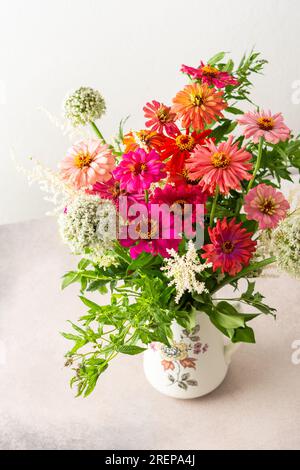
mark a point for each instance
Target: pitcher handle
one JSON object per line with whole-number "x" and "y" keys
{"x": 229, "y": 350}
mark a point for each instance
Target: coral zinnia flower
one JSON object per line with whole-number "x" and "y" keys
{"x": 86, "y": 163}
{"x": 210, "y": 75}
{"x": 198, "y": 105}
{"x": 266, "y": 205}
{"x": 179, "y": 149}
{"x": 224, "y": 166}
{"x": 160, "y": 118}
{"x": 231, "y": 248}
{"x": 138, "y": 170}
{"x": 264, "y": 124}
{"x": 144, "y": 139}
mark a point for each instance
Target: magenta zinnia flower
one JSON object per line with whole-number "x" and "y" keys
{"x": 210, "y": 75}
{"x": 138, "y": 170}
{"x": 266, "y": 205}
{"x": 153, "y": 233}
{"x": 224, "y": 166}
{"x": 160, "y": 118}
{"x": 182, "y": 194}
{"x": 264, "y": 124}
{"x": 231, "y": 248}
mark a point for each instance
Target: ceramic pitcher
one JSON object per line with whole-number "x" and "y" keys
{"x": 194, "y": 365}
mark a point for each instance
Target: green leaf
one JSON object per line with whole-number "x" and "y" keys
{"x": 83, "y": 264}
{"x": 216, "y": 58}
{"x": 89, "y": 303}
{"x": 245, "y": 335}
{"x": 70, "y": 278}
{"x": 233, "y": 110}
{"x": 130, "y": 349}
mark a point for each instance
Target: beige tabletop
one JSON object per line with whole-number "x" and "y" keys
{"x": 257, "y": 406}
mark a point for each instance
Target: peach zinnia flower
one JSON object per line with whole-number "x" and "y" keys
{"x": 224, "y": 166}
{"x": 266, "y": 205}
{"x": 264, "y": 124}
{"x": 86, "y": 163}
{"x": 198, "y": 105}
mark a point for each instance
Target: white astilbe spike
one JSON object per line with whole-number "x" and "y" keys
{"x": 182, "y": 271}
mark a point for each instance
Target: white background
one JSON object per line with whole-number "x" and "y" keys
{"x": 131, "y": 51}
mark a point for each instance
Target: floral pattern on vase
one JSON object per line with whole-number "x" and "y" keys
{"x": 179, "y": 356}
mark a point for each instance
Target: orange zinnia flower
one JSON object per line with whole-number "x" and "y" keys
{"x": 198, "y": 105}
{"x": 145, "y": 139}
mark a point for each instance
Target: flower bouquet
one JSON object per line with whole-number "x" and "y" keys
{"x": 165, "y": 217}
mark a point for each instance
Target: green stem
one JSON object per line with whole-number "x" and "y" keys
{"x": 146, "y": 196}
{"x": 97, "y": 131}
{"x": 248, "y": 269}
{"x": 214, "y": 205}
{"x": 258, "y": 161}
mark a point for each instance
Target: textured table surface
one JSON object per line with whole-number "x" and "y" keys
{"x": 256, "y": 407}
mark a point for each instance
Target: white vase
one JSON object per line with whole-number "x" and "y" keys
{"x": 195, "y": 365}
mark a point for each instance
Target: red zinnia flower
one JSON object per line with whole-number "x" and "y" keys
{"x": 231, "y": 248}
{"x": 210, "y": 75}
{"x": 179, "y": 149}
{"x": 160, "y": 118}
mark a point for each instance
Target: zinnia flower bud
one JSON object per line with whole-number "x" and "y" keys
{"x": 83, "y": 106}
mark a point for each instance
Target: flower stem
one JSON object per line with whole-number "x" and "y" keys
{"x": 243, "y": 272}
{"x": 214, "y": 205}
{"x": 97, "y": 131}
{"x": 258, "y": 161}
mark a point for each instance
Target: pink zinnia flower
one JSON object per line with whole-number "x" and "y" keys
{"x": 264, "y": 124}
{"x": 86, "y": 163}
{"x": 160, "y": 118}
{"x": 231, "y": 248}
{"x": 154, "y": 233}
{"x": 210, "y": 75}
{"x": 138, "y": 170}
{"x": 266, "y": 205}
{"x": 224, "y": 166}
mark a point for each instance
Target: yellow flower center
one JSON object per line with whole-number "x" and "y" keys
{"x": 82, "y": 160}
{"x": 185, "y": 142}
{"x": 144, "y": 136}
{"x": 220, "y": 159}
{"x": 267, "y": 206}
{"x": 210, "y": 71}
{"x": 227, "y": 247}
{"x": 265, "y": 123}
{"x": 163, "y": 114}
{"x": 196, "y": 100}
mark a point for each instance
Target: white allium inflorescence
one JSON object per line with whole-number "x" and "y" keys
{"x": 286, "y": 245}
{"x": 182, "y": 271}
{"x": 82, "y": 228}
{"x": 83, "y": 106}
